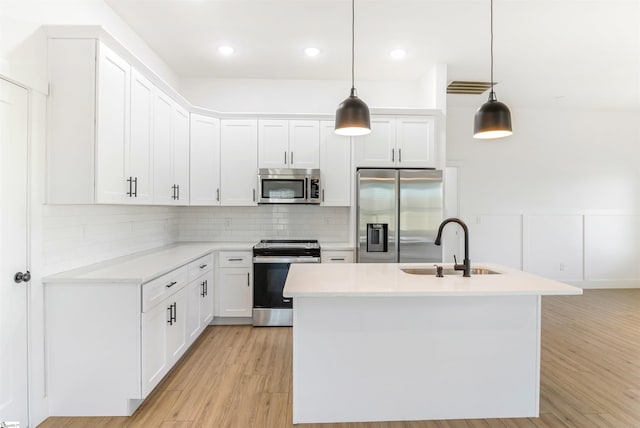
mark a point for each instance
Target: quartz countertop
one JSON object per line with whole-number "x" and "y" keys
{"x": 387, "y": 279}
{"x": 144, "y": 266}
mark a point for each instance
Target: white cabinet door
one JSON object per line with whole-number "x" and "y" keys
{"x": 235, "y": 292}
{"x": 238, "y": 168}
{"x": 273, "y": 144}
{"x": 205, "y": 160}
{"x": 177, "y": 328}
{"x": 377, "y": 149}
{"x": 154, "y": 356}
{"x": 304, "y": 144}
{"x": 163, "y": 191}
{"x": 206, "y": 300}
{"x": 335, "y": 167}
{"x": 180, "y": 124}
{"x": 112, "y": 120}
{"x": 194, "y": 290}
{"x": 139, "y": 156}
{"x": 415, "y": 141}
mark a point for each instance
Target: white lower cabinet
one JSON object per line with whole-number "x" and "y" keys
{"x": 110, "y": 342}
{"x": 163, "y": 338}
{"x": 341, "y": 256}
{"x": 235, "y": 284}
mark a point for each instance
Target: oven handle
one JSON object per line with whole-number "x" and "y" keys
{"x": 266, "y": 259}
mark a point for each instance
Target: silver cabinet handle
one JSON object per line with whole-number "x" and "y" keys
{"x": 399, "y": 155}
{"x": 237, "y": 259}
{"x": 217, "y": 194}
{"x": 285, "y": 157}
{"x": 393, "y": 155}
{"x": 337, "y": 259}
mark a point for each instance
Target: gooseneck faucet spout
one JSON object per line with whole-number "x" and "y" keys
{"x": 466, "y": 265}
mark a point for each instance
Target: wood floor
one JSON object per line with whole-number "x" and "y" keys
{"x": 240, "y": 376}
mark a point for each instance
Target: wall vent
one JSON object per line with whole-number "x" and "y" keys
{"x": 468, "y": 87}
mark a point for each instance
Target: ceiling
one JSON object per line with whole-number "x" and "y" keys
{"x": 547, "y": 52}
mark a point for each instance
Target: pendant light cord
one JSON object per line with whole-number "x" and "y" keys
{"x": 492, "y": 95}
{"x": 353, "y": 43}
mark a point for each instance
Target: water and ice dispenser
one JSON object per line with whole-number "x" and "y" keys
{"x": 377, "y": 234}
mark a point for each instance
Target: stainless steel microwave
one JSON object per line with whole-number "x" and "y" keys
{"x": 289, "y": 186}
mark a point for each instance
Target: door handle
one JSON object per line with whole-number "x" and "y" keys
{"x": 322, "y": 195}
{"x": 171, "y": 284}
{"x": 285, "y": 157}
{"x": 22, "y": 277}
{"x": 203, "y": 292}
{"x": 248, "y": 277}
{"x": 291, "y": 157}
{"x": 393, "y": 155}
{"x": 399, "y": 155}
{"x": 170, "y": 320}
{"x": 254, "y": 195}
{"x": 129, "y": 193}
{"x": 217, "y": 194}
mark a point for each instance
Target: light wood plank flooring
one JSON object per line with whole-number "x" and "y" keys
{"x": 240, "y": 376}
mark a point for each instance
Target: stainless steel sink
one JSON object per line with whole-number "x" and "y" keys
{"x": 448, "y": 271}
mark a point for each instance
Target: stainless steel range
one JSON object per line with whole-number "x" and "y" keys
{"x": 271, "y": 261}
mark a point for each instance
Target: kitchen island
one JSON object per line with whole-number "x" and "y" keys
{"x": 372, "y": 342}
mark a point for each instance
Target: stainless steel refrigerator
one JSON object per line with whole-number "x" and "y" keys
{"x": 399, "y": 211}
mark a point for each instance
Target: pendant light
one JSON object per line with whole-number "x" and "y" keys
{"x": 352, "y": 116}
{"x": 493, "y": 118}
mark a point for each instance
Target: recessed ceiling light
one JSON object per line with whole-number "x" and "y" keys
{"x": 226, "y": 50}
{"x": 398, "y": 53}
{"x": 312, "y": 51}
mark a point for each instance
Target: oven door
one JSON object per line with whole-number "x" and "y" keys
{"x": 269, "y": 276}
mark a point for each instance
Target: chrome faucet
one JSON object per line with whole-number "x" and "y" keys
{"x": 466, "y": 265}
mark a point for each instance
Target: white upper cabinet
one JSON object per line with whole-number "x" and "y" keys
{"x": 304, "y": 144}
{"x": 114, "y": 137}
{"x": 139, "y": 169}
{"x": 273, "y": 144}
{"x": 113, "y": 95}
{"x": 398, "y": 141}
{"x": 238, "y": 169}
{"x": 335, "y": 167}
{"x": 205, "y": 160}
{"x": 170, "y": 152}
{"x": 288, "y": 144}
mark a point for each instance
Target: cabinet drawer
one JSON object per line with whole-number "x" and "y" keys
{"x": 235, "y": 259}
{"x": 337, "y": 257}
{"x": 202, "y": 265}
{"x": 154, "y": 292}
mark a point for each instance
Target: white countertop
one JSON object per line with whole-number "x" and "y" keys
{"x": 144, "y": 266}
{"x": 386, "y": 279}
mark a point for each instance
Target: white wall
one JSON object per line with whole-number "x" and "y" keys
{"x": 561, "y": 197}
{"x": 23, "y": 43}
{"x": 250, "y": 224}
{"x": 295, "y": 96}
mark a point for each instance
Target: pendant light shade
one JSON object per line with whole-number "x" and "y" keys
{"x": 493, "y": 118}
{"x": 352, "y": 115}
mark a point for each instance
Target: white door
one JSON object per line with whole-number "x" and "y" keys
{"x": 177, "y": 328}
{"x": 335, "y": 167}
{"x": 205, "y": 160}
{"x": 163, "y": 184}
{"x": 273, "y": 144}
{"x": 304, "y": 144}
{"x": 13, "y": 253}
{"x": 195, "y": 289}
{"x": 415, "y": 139}
{"x": 140, "y": 153}
{"x": 112, "y": 127}
{"x": 235, "y": 292}
{"x": 378, "y": 149}
{"x": 239, "y": 166}
{"x": 154, "y": 344}
{"x": 180, "y": 124}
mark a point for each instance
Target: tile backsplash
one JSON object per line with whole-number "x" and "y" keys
{"x": 78, "y": 235}
{"x": 326, "y": 224}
